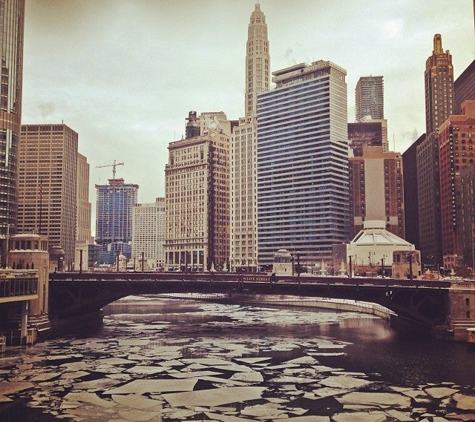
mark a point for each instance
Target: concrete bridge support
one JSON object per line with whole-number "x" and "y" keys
{"x": 461, "y": 309}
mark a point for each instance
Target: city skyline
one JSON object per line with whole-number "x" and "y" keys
{"x": 127, "y": 102}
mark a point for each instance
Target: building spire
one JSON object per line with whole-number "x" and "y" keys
{"x": 438, "y": 44}
{"x": 257, "y": 60}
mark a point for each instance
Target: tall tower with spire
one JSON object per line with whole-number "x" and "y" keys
{"x": 439, "y": 86}
{"x": 439, "y": 101}
{"x": 243, "y": 227}
{"x": 257, "y": 60}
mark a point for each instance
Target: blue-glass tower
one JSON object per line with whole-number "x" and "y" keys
{"x": 302, "y": 163}
{"x": 114, "y": 206}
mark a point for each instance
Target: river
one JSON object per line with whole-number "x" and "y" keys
{"x": 178, "y": 360}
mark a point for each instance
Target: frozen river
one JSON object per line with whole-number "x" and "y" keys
{"x": 185, "y": 361}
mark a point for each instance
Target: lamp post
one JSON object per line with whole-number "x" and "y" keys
{"x": 298, "y": 264}
{"x": 382, "y": 266}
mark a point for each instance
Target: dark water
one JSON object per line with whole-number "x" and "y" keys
{"x": 400, "y": 358}
{"x": 370, "y": 346}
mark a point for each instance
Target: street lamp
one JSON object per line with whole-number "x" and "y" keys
{"x": 382, "y": 266}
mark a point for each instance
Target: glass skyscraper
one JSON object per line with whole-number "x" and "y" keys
{"x": 302, "y": 163}
{"x": 12, "y": 14}
{"x": 114, "y": 207}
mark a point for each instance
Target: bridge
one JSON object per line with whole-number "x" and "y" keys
{"x": 431, "y": 304}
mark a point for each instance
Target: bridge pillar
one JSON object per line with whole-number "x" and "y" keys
{"x": 461, "y": 309}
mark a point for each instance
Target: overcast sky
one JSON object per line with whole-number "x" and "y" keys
{"x": 125, "y": 73}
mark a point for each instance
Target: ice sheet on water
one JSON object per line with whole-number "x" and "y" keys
{"x": 139, "y": 415}
{"x": 136, "y": 401}
{"x": 214, "y": 397}
{"x": 192, "y": 374}
{"x": 344, "y": 382}
{"x": 360, "y": 417}
{"x": 253, "y": 376}
{"x": 226, "y": 418}
{"x": 376, "y": 398}
{"x": 86, "y": 397}
{"x": 153, "y": 386}
{"x": 265, "y": 411}
{"x": 252, "y": 361}
{"x": 440, "y": 392}
{"x": 146, "y": 370}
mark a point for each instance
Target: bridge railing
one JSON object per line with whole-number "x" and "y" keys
{"x": 243, "y": 278}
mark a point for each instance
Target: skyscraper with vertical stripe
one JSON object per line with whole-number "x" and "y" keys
{"x": 12, "y": 15}
{"x": 302, "y": 163}
{"x": 243, "y": 227}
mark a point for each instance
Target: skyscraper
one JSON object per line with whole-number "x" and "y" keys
{"x": 197, "y": 202}
{"x": 47, "y": 185}
{"x": 411, "y": 197}
{"x": 369, "y": 95}
{"x": 114, "y": 205}
{"x": 243, "y": 236}
{"x": 439, "y": 96}
{"x": 456, "y": 151}
{"x": 464, "y": 87}
{"x": 369, "y": 133}
{"x": 439, "y": 86}
{"x": 148, "y": 234}
{"x": 376, "y": 191}
{"x": 83, "y": 230}
{"x": 84, "y": 240}
{"x": 12, "y": 14}
{"x": 302, "y": 163}
{"x": 257, "y": 60}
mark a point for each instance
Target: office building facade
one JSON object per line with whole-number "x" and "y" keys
{"x": 411, "y": 197}
{"x": 464, "y": 87}
{"x": 369, "y": 96}
{"x": 368, "y": 133}
{"x": 456, "y": 151}
{"x": 302, "y": 163}
{"x": 197, "y": 203}
{"x": 243, "y": 230}
{"x": 114, "y": 205}
{"x": 376, "y": 190}
{"x": 148, "y": 235}
{"x": 12, "y": 15}
{"x": 47, "y": 185}
{"x": 83, "y": 221}
{"x": 439, "y": 103}
{"x": 83, "y": 229}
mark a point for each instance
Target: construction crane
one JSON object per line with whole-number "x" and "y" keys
{"x": 113, "y": 165}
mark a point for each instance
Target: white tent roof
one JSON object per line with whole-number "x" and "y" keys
{"x": 375, "y": 234}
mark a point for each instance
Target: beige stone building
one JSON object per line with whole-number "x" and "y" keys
{"x": 197, "y": 203}
{"x": 29, "y": 252}
{"x": 148, "y": 235}
{"x": 243, "y": 150}
{"x": 47, "y": 185}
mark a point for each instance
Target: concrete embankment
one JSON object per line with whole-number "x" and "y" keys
{"x": 297, "y": 301}
{"x": 322, "y": 303}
